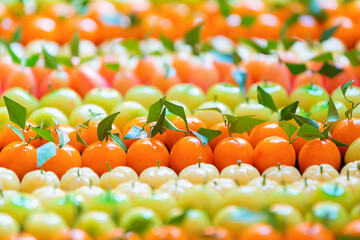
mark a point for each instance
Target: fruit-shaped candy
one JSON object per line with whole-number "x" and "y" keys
{"x": 89, "y": 192}
{"x": 241, "y": 173}
{"x": 78, "y": 177}
{"x": 199, "y": 173}
{"x": 116, "y": 176}
{"x": 285, "y": 215}
{"x": 47, "y": 193}
{"x": 9, "y": 179}
{"x": 156, "y": 176}
{"x": 248, "y": 197}
{"x": 39, "y": 178}
{"x": 352, "y": 168}
{"x": 283, "y": 174}
{"x": 264, "y": 184}
{"x": 8, "y": 226}
{"x": 309, "y": 186}
{"x": 134, "y": 189}
{"x": 321, "y": 173}
{"x": 175, "y": 187}
{"x": 95, "y": 223}
{"x": 221, "y": 185}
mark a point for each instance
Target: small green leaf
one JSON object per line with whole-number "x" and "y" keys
{"x": 288, "y": 128}
{"x": 17, "y": 35}
{"x": 257, "y": 47}
{"x": 309, "y": 132}
{"x": 159, "y": 124}
{"x": 327, "y": 33}
{"x": 333, "y": 114}
{"x": 354, "y": 57}
{"x": 337, "y": 143}
{"x": 50, "y": 60}
{"x": 155, "y": 110}
{"x": 74, "y": 45}
{"x": 244, "y": 123}
{"x": 44, "y": 133}
{"x": 63, "y": 138}
{"x": 168, "y": 44}
{"x": 285, "y": 113}
{"x": 45, "y": 152}
{"x": 216, "y": 109}
{"x": 136, "y": 133}
{"x": 288, "y": 43}
{"x": 301, "y": 120}
{"x": 87, "y": 122}
{"x": 117, "y": 139}
{"x": 324, "y": 57}
{"x": 344, "y": 89}
{"x": 225, "y": 7}
{"x": 210, "y": 134}
{"x": 348, "y": 113}
{"x": 132, "y": 46}
{"x": 330, "y": 70}
{"x": 193, "y": 38}
{"x": 17, "y": 132}
{"x": 79, "y": 138}
{"x": 105, "y": 126}
{"x": 204, "y": 140}
{"x": 63, "y": 60}
{"x": 17, "y": 112}
{"x": 240, "y": 78}
{"x": 247, "y": 20}
{"x": 296, "y": 68}
{"x": 113, "y": 66}
{"x": 236, "y": 58}
{"x": 32, "y": 60}
{"x": 289, "y": 22}
{"x": 177, "y": 110}
{"x": 15, "y": 58}
{"x": 265, "y": 99}
{"x": 179, "y": 218}
{"x": 171, "y": 126}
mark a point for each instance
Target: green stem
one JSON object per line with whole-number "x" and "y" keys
{"x": 108, "y": 166}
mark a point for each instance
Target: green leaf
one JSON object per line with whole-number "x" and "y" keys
{"x": 296, "y": 68}
{"x": 132, "y": 46}
{"x": 44, "y": 133}
{"x": 171, "y": 126}
{"x": 63, "y": 60}
{"x": 354, "y": 57}
{"x": 16, "y": 59}
{"x": 247, "y": 20}
{"x": 287, "y": 43}
{"x": 289, "y": 22}
{"x": 327, "y": 33}
{"x": 74, "y": 45}
{"x": 285, "y": 113}
{"x": 309, "y": 132}
{"x": 105, "y": 126}
{"x": 159, "y": 124}
{"x": 45, "y": 152}
{"x": 79, "y": 138}
{"x": 288, "y": 128}
{"x": 244, "y": 123}
{"x": 347, "y": 238}
{"x": 333, "y": 114}
{"x": 330, "y": 70}
{"x": 210, "y": 134}
{"x": 348, "y": 113}
{"x": 265, "y": 99}
{"x": 324, "y": 57}
{"x": 17, "y": 35}
{"x": 17, "y": 112}
{"x": 344, "y": 89}
{"x": 136, "y": 133}
{"x": 225, "y": 7}
{"x": 63, "y": 138}
{"x": 301, "y": 120}
{"x": 204, "y": 140}
{"x": 168, "y": 44}
{"x": 113, "y": 66}
{"x": 210, "y": 108}
{"x": 193, "y": 38}
{"x": 236, "y": 57}
{"x": 87, "y": 122}
{"x": 32, "y": 60}
{"x": 117, "y": 139}
{"x": 155, "y": 110}
{"x": 240, "y": 78}
{"x": 179, "y": 218}
{"x": 337, "y": 143}
{"x": 17, "y": 132}
{"x": 50, "y": 60}
{"x": 177, "y": 110}
{"x": 256, "y": 47}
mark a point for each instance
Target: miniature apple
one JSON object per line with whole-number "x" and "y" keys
{"x": 156, "y": 176}
{"x": 78, "y": 177}
{"x": 196, "y": 196}
{"x": 248, "y": 197}
{"x": 210, "y": 117}
{"x": 352, "y": 168}
{"x": 331, "y": 214}
{"x": 283, "y": 174}
{"x": 64, "y": 99}
{"x": 190, "y": 94}
{"x": 134, "y": 189}
{"x": 128, "y": 110}
{"x": 221, "y": 185}
{"x": 199, "y": 173}
{"x": 145, "y": 216}
{"x": 226, "y": 93}
{"x": 285, "y": 215}
{"x": 89, "y": 192}
{"x": 309, "y": 186}
{"x": 39, "y": 178}
{"x": 290, "y": 195}
{"x": 107, "y": 98}
{"x": 46, "y": 115}
{"x": 321, "y": 173}
{"x": 175, "y": 187}
{"x": 355, "y": 212}
{"x": 352, "y": 153}
{"x": 95, "y": 223}
{"x": 4, "y": 118}
{"x": 144, "y": 94}
{"x": 47, "y": 193}
{"x": 241, "y": 173}
{"x": 22, "y": 97}
{"x": 319, "y": 111}
{"x": 9, "y": 179}
{"x": 43, "y": 225}
{"x": 277, "y": 92}
{"x": 192, "y": 221}
{"x": 116, "y": 176}
{"x": 84, "y": 112}
{"x": 309, "y": 95}
{"x": 8, "y": 226}
{"x": 161, "y": 203}
{"x": 263, "y": 184}
{"x": 252, "y": 108}
{"x": 350, "y": 182}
